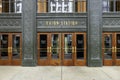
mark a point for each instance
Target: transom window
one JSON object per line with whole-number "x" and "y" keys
{"x": 61, "y": 6}
{"x": 111, "y": 5}
{"x": 10, "y": 6}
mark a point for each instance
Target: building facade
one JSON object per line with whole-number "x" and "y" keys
{"x": 60, "y": 32}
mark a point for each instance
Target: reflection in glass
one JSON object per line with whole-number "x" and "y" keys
{"x": 80, "y": 47}
{"x": 61, "y": 6}
{"x": 4, "y": 46}
{"x": 10, "y": 6}
{"x": 118, "y": 46}
{"x": 68, "y": 46}
{"x": 16, "y": 46}
{"x": 111, "y": 5}
{"x": 0, "y": 6}
{"x": 108, "y": 46}
{"x": 55, "y": 46}
{"x": 43, "y": 46}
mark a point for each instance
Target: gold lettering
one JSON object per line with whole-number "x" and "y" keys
{"x": 63, "y": 23}
{"x": 57, "y": 22}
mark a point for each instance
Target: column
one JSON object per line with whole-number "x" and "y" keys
{"x": 29, "y": 35}
{"x": 94, "y": 33}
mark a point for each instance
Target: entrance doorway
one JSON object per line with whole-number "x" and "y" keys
{"x": 111, "y": 49}
{"x": 66, "y": 49}
{"x": 10, "y": 49}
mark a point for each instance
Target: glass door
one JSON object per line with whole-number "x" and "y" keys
{"x": 43, "y": 49}
{"x": 108, "y": 49}
{"x": 4, "y": 49}
{"x": 62, "y": 49}
{"x": 55, "y": 49}
{"x": 117, "y": 49}
{"x": 10, "y": 49}
{"x": 16, "y": 49}
{"x": 67, "y": 49}
{"x": 80, "y": 49}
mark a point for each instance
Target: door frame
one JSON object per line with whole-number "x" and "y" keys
{"x": 80, "y": 62}
{"x": 17, "y": 61}
{"x": 108, "y": 62}
{"x": 43, "y": 62}
{"x": 61, "y": 61}
{"x": 55, "y": 62}
{"x": 10, "y": 60}
{"x": 67, "y": 62}
{"x": 117, "y": 61}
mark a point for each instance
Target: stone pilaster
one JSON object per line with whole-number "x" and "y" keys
{"x": 29, "y": 47}
{"x": 94, "y": 33}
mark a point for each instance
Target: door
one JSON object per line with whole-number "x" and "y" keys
{"x": 80, "y": 49}
{"x": 55, "y": 49}
{"x": 43, "y": 49}
{"x": 117, "y": 49}
{"x": 111, "y": 49}
{"x": 108, "y": 49}
{"x": 67, "y": 49}
{"x": 61, "y": 49}
{"x": 10, "y": 49}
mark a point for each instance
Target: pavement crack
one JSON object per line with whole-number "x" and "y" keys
{"x": 106, "y": 74}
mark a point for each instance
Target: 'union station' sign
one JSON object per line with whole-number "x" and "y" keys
{"x": 62, "y": 23}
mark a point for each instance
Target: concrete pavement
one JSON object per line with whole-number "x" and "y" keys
{"x": 59, "y": 73}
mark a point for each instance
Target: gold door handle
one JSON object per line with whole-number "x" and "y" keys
{"x": 9, "y": 49}
{"x": 73, "y": 50}
{"x": 50, "y": 50}
{"x": 47, "y": 49}
{"x": 115, "y": 49}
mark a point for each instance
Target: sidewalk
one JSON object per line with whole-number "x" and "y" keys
{"x": 59, "y": 73}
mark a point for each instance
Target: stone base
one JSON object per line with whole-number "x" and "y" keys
{"x": 95, "y": 63}
{"x": 29, "y": 63}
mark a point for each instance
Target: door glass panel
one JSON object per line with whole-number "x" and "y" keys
{"x": 118, "y": 46}
{"x": 4, "y": 46}
{"x": 68, "y": 46}
{"x": 16, "y": 46}
{"x": 108, "y": 46}
{"x": 55, "y": 46}
{"x": 43, "y": 46}
{"x": 80, "y": 47}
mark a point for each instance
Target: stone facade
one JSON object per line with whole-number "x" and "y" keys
{"x": 94, "y": 22}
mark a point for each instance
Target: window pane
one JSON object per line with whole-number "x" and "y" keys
{"x": 55, "y": 46}
{"x": 43, "y": 46}
{"x": 80, "y": 46}
{"x": 117, "y": 5}
{"x": 108, "y": 46}
{"x": 10, "y": 6}
{"x": 0, "y": 6}
{"x": 106, "y": 6}
{"x": 61, "y": 6}
{"x": 81, "y": 6}
{"x": 68, "y": 46}
{"x": 111, "y": 5}
{"x": 16, "y": 47}
{"x": 4, "y": 46}
{"x": 18, "y": 6}
{"x": 118, "y": 46}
